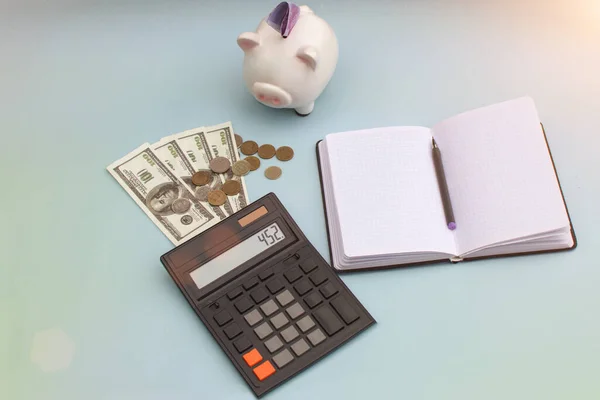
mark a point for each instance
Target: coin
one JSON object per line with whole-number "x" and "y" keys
{"x": 231, "y": 188}
{"x": 202, "y": 193}
{"x": 180, "y": 206}
{"x": 254, "y": 162}
{"x": 249, "y": 147}
{"x": 240, "y": 168}
{"x": 238, "y": 140}
{"x": 201, "y": 177}
{"x": 219, "y": 165}
{"x": 273, "y": 173}
{"x": 285, "y": 153}
{"x": 266, "y": 151}
{"x": 217, "y": 197}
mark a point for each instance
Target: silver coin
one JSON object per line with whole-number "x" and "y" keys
{"x": 202, "y": 193}
{"x": 180, "y": 206}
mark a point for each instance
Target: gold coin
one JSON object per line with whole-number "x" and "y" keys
{"x": 249, "y": 147}
{"x": 254, "y": 162}
{"x": 217, "y": 197}
{"x": 201, "y": 177}
{"x": 285, "y": 153}
{"x": 273, "y": 173}
{"x": 238, "y": 140}
{"x": 240, "y": 168}
{"x": 266, "y": 151}
{"x": 231, "y": 188}
{"x": 219, "y": 165}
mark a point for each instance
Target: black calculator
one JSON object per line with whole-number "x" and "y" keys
{"x": 266, "y": 295}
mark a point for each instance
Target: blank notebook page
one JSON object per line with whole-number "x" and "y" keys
{"x": 386, "y": 192}
{"x": 500, "y": 175}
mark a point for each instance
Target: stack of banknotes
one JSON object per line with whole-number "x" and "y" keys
{"x": 158, "y": 177}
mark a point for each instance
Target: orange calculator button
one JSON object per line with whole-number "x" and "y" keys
{"x": 264, "y": 370}
{"x": 253, "y": 357}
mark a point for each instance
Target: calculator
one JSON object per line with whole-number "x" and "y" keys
{"x": 265, "y": 294}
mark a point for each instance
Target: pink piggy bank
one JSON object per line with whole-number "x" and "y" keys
{"x": 290, "y": 58}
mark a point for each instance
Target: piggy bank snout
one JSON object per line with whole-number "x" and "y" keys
{"x": 271, "y": 95}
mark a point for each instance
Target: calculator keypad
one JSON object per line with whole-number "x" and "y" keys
{"x": 283, "y": 312}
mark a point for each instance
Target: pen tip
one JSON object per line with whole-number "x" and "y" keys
{"x": 433, "y": 142}
{"x": 452, "y": 226}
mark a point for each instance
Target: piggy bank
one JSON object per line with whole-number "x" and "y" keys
{"x": 290, "y": 58}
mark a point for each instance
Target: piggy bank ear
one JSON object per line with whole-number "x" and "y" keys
{"x": 248, "y": 40}
{"x": 308, "y": 55}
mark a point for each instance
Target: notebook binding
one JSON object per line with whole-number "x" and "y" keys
{"x": 456, "y": 259}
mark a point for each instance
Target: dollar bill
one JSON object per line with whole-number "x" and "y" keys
{"x": 169, "y": 152}
{"x": 194, "y": 145}
{"x": 162, "y": 197}
{"x": 220, "y": 139}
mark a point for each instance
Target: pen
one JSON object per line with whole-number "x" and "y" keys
{"x": 441, "y": 177}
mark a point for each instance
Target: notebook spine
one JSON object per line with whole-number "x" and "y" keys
{"x": 456, "y": 259}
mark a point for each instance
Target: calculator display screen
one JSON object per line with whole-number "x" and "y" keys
{"x": 237, "y": 255}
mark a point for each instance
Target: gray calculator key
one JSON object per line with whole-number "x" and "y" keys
{"x": 282, "y": 359}
{"x": 269, "y": 307}
{"x": 279, "y": 320}
{"x": 290, "y": 333}
{"x": 295, "y": 310}
{"x": 285, "y": 298}
{"x": 263, "y": 330}
{"x": 316, "y": 337}
{"x": 274, "y": 344}
{"x": 305, "y": 323}
{"x": 300, "y": 347}
{"x": 253, "y": 317}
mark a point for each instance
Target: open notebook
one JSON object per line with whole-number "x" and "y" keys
{"x": 383, "y": 204}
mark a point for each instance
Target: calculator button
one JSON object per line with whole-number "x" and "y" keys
{"x": 300, "y": 347}
{"x": 274, "y": 285}
{"x": 279, "y": 320}
{"x": 243, "y": 304}
{"x": 232, "y": 331}
{"x": 293, "y": 274}
{"x": 316, "y": 337}
{"x": 259, "y": 295}
{"x": 308, "y": 265}
{"x": 305, "y": 323}
{"x": 282, "y": 359}
{"x": 264, "y": 370}
{"x": 290, "y": 333}
{"x": 285, "y": 298}
{"x": 318, "y": 277}
{"x": 295, "y": 310}
{"x": 252, "y": 358}
{"x": 274, "y": 344}
{"x": 235, "y": 293}
{"x": 269, "y": 307}
{"x": 222, "y": 318}
{"x": 328, "y": 320}
{"x": 253, "y": 317}
{"x": 266, "y": 274}
{"x": 263, "y": 330}
{"x": 250, "y": 283}
{"x": 313, "y": 300}
{"x": 242, "y": 344}
{"x": 328, "y": 290}
{"x": 303, "y": 287}
{"x": 344, "y": 309}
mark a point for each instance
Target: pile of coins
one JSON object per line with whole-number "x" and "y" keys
{"x": 216, "y": 195}
{"x": 267, "y": 151}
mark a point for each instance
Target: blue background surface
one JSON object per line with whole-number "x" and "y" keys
{"x": 83, "y": 83}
